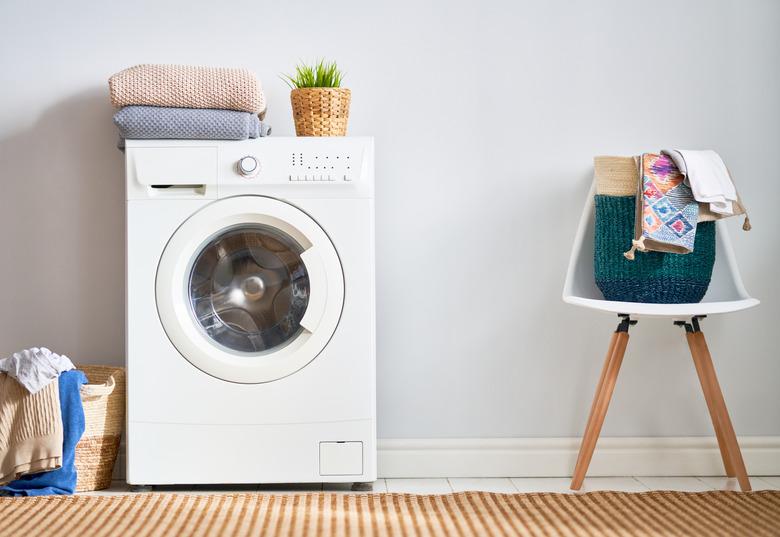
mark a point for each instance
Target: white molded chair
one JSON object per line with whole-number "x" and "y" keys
{"x": 725, "y": 294}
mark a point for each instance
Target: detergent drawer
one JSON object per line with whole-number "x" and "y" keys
{"x": 154, "y": 172}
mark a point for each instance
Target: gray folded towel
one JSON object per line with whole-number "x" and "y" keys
{"x": 157, "y": 122}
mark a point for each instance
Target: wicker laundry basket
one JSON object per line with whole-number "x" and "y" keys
{"x": 652, "y": 277}
{"x": 104, "y": 412}
{"x": 320, "y": 111}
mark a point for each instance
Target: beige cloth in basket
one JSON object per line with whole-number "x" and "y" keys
{"x": 619, "y": 176}
{"x": 187, "y": 86}
{"x": 30, "y": 429}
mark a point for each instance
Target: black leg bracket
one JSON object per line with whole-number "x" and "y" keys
{"x": 625, "y": 322}
{"x": 693, "y": 326}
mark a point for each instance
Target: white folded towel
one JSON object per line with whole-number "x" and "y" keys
{"x": 708, "y": 178}
{"x": 35, "y": 368}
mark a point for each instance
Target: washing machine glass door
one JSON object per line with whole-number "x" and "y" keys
{"x": 249, "y": 289}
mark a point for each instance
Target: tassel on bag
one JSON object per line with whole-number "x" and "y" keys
{"x": 636, "y": 245}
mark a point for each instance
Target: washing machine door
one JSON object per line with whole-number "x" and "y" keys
{"x": 249, "y": 289}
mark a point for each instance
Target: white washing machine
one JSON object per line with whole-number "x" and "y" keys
{"x": 250, "y": 311}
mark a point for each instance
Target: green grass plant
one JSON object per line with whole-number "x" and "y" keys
{"x": 321, "y": 74}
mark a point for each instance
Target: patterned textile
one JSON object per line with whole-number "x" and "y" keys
{"x": 155, "y": 122}
{"x": 667, "y": 213}
{"x": 187, "y": 86}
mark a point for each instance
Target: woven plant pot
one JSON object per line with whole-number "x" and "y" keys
{"x": 320, "y": 111}
{"x": 104, "y": 414}
{"x": 652, "y": 277}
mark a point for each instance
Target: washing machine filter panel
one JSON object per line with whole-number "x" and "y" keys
{"x": 248, "y": 288}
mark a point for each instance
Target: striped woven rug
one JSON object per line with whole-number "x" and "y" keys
{"x": 462, "y": 514}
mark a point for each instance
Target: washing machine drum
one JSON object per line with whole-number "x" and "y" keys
{"x": 249, "y": 289}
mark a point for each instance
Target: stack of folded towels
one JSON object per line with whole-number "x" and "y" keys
{"x": 188, "y": 102}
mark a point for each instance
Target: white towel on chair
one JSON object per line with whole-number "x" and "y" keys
{"x": 707, "y": 176}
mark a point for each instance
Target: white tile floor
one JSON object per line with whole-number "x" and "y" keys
{"x": 491, "y": 484}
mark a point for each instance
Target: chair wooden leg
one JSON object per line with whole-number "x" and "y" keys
{"x": 730, "y": 437}
{"x": 605, "y": 367}
{"x": 601, "y": 399}
{"x": 596, "y": 398}
{"x": 706, "y": 388}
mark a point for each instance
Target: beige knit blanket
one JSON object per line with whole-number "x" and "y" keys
{"x": 30, "y": 429}
{"x": 187, "y": 86}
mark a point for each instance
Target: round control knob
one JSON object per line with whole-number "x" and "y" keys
{"x": 248, "y": 166}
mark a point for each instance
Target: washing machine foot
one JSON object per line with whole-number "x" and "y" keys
{"x": 141, "y": 488}
{"x": 362, "y": 487}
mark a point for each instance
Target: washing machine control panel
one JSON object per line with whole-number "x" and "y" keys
{"x": 326, "y": 167}
{"x": 321, "y": 167}
{"x": 280, "y": 166}
{"x": 293, "y": 161}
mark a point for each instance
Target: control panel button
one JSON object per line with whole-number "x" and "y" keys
{"x": 248, "y": 166}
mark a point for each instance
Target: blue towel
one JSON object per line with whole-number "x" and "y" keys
{"x": 155, "y": 122}
{"x": 62, "y": 480}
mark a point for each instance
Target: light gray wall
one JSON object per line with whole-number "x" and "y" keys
{"x": 486, "y": 117}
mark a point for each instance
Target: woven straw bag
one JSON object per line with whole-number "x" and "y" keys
{"x": 103, "y": 400}
{"x": 320, "y": 111}
{"x": 653, "y": 277}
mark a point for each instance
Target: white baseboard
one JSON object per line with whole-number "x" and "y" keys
{"x": 555, "y": 457}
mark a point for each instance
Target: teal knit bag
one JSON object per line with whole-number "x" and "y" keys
{"x": 653, "y": 277}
